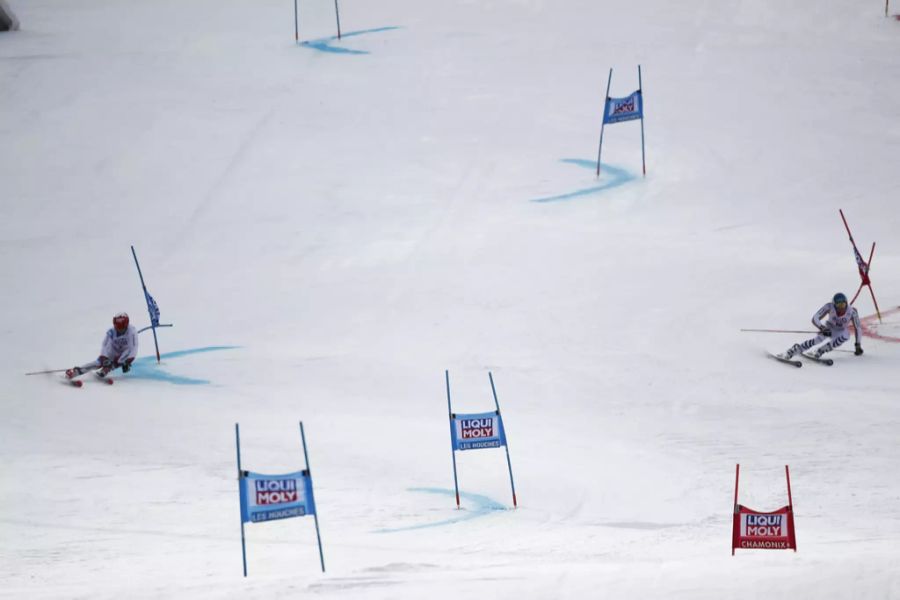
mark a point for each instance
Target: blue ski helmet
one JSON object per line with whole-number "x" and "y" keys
{"x": 840, "y": 303}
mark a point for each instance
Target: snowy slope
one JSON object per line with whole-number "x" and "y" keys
{"x": 329, "y": 231}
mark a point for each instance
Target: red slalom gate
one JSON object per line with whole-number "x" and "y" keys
{"x": 863, "y": 267}
{"x": 753, "y": 529}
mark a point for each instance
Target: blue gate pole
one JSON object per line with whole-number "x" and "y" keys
{"x": 316, "y": 513}
{"x": 641, "y": 94}
{"x": 452, "y": 449}
{"x": 508, "y": 462}
{"x": 603, "y": 123}
{"x": 337, "y": 16}
{"x": 144, "y": 287}
{"x": 237, "y": 441}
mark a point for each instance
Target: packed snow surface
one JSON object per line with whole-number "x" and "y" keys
{"x": 332, "y": 224}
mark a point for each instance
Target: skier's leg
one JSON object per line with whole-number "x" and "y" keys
{"x": 108, "y": 364}
{"x": 112, "y": 363}
{"x": 76, "y": 371}
{"x": 837, "y": 338}
{"x": 91, "y": 365}
{"x": 803, "y": 346}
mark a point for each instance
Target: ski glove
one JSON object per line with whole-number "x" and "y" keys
{"x": 126, "y": 366}
{"x": 105, "y": 362}
{"x": 859, "y": 349}
{"x": 825, "y": 331}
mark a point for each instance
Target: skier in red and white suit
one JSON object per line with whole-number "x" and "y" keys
{"x": 120, "y": 347}
{"x": 840, "y": 315}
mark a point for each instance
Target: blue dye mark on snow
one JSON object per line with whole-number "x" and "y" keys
{"x": 580, "y": 162}
{"x": 180, "y": 353}
{"x": 474, "y": 506}
{"x": 324, "y": 44}
{"x": 611, "y": 177}
{"x": 146, "y": 367}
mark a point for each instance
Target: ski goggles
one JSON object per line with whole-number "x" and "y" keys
{"x": 840, "y": 306}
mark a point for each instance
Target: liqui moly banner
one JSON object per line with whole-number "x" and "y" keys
{"x": 624, "y": 109}
{"x": 476, "y": 431}
{"x": 275, "y": 497}
{"x": 271, "y": 497}
{"x": 769, "y": 531}
{"x": 752, "y": 529}
{"x": 619, "y": 110}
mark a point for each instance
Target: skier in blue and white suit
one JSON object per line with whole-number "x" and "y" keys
{"x": 120, "y": 347}
{"x": 839, "y": 316}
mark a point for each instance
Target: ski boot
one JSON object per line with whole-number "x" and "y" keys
{"x": 826, "y": 348}
{"x": 795, "y": 349}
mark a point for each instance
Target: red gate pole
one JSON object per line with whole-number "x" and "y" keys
{"x": 856, "y": 295}
{"x": 847, "y": 227}
{"x": 869, "y": 264}
{"x": 793, "y": 538}
{"x": 734, "y": 519}
{"x": 875, "y": 302}
{"x": 869, "y": 283}
{"x": 864, "y": 274}
{"x": 787, "y": 475}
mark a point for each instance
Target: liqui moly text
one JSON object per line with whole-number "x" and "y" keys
{"x": 275, "y": 491}
{"x": 473, "y": 429}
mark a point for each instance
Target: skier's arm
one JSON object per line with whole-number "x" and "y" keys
{"x": 857, "y": 328}
{"x": 817, "y": 318}
{"x": 131, "y": 351}
{"x": 106, "y": 349}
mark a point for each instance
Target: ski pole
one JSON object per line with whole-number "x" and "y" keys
{"x": 45, "y": 372}
{"x": 779, "y": 330}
